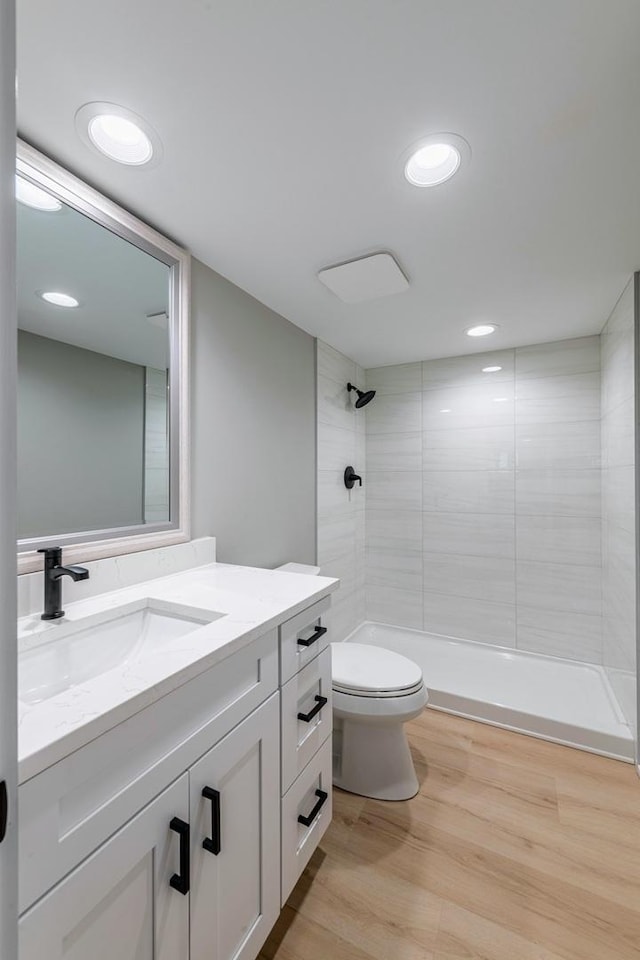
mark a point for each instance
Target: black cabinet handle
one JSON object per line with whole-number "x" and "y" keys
{"x": 4, "y": 810}
{"x": 212, "y": 844}
{"x": 320, "y": 632}
{"x": 180, "y": 881}
{"x": 307, "y": 821}
{"x": 320, "y": 703}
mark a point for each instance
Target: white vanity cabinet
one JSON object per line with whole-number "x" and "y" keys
{"x": 235, "y": 837}
{"x": 119, "y": 903}
{"x": 175, "y": 834}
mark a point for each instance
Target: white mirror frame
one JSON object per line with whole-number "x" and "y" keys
{"x": 96, "y": 544}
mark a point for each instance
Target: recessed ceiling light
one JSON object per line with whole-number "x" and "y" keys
{"x": 491, "y": 369}
{"x": 446, "y": 410}
{"x": 481, "y": 330}
{"x": 118, "y": 134}
{"x": 33, "y": 196}
{"x": 59, "y": 299}
{"x": 435, "y": 159}
{"x": 500, "y": 399}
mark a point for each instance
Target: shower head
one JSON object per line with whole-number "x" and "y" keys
{"x": 364, "y": 396}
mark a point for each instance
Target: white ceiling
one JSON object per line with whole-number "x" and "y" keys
{"x": 284, "y": 122}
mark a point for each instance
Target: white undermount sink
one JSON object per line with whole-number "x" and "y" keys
{"x": 75, "y": 651}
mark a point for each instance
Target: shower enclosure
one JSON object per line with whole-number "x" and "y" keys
{"x": 494, "y": 536}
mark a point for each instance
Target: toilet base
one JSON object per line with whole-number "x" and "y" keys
{"x": 373, "y": 760}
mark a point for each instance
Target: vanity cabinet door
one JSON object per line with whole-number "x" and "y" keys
{"x": 235, "y": 834}
{"x": 120, "y": 903}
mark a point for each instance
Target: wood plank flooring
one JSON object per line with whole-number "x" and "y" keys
{"x": 514, "y": 849}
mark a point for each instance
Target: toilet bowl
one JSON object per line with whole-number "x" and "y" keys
{"x": 375, "y": 692}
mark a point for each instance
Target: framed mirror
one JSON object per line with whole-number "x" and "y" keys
{"x": 103, "y": 411}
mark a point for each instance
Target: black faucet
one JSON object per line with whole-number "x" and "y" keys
{"x": 53, "y": 574}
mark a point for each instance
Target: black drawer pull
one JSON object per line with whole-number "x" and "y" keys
{"x": 180, "y": 881}
{"x": 212, "y": 844}
{"x": 4, "y": 810}
{"x": 320, "y": 703}
{"x": 307, "y": 821}
{"x": 320, "y": 632}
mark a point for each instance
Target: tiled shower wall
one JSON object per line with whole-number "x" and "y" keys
{"x": 484, "y": 498}
{"x": 341, "y": 517}
{"x": 618, "y": 503}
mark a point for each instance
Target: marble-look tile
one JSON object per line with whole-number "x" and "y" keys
{"x": 483, "y": 405}
{"x": 573, "y": 540}
{"x": 333, "y": 497}
{"x": 617, "y": 354}
{"x": 468, "y": 619}
{"x": 394, "y": 530}
{"x": 335, "y": 405}
{"x": 618, "y": 501}
{"x": 403, "y": 608}
{"x": 336, "y": 447}
{"x": 399, "y": 378}
{"x": 574, "y": 446}
{"x": 576, "y": 636}
{"x": 557, "y": 492}
{"x": 476, "y": 448}
{"x": 394, "y": 413}
{"x": 558, "y": 399}
{"x": 618, "y": 643}
{"x": 559, "y": 586}
{"x": 464, "y": 491}
{"x": 335, "y": 365}
{"x": 618, "y": 435}
{"x": 469, "y": 534}
{"x": 482, "y": 578}
{"x": 394, "y": 568}
{"x": 393, "y": 490}
{"x": 581, "y": 355}
{"x": 336, "y": 536}
{"x": 468, "y": 371}
{"x": 394, "y": 451}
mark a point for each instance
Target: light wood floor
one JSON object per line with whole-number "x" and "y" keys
{"x": 514, "y": 849}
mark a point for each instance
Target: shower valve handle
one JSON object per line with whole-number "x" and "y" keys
{"x": 350, "y": 478}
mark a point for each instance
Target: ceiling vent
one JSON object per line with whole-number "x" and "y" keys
{"x": 368, "y": 278}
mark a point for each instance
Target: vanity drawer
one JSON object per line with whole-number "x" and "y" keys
{"x": 309, "y": 798}
{"x": 309, "y": 692}
{"x": 71, "y": 808}
{"x": 303, "y": 637}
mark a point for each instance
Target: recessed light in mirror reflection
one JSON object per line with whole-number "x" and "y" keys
{"x": 446, "y": 410}
{"x": 37, "y": 198}
{"x": 491, "y": 369}
{"x": 59, "y": 299}
{"x": 500, "y": 399}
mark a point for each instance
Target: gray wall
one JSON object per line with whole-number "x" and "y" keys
{"x": 8, "y": 699}
{"x": 83, "y": 412}
{"x": 253, "y": 427}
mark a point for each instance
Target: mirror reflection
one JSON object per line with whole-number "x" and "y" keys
{"x": 93, "y": 358}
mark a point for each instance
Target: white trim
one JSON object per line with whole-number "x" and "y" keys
{"x": 95, "y": 545}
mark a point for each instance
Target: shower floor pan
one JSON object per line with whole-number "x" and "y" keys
{"x": 559, "y": 700}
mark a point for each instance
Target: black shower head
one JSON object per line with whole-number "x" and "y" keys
{"x": 364, "y": 396}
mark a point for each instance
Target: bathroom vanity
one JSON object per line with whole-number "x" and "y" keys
{"x": 175, "y": 764}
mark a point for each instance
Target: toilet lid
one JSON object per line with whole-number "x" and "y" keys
{"x": 364, "y": 670}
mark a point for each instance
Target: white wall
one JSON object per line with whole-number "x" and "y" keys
{"x": 341, "y": 518}
{"x": 483, "y": 498}
{"x": 83, "y": 413}
{"x": 618, "y": 502}
{"x": 253, "y": 427}
{"x": 8, "y": 697}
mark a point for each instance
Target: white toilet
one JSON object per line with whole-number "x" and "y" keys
{"x": 375, "y": 692}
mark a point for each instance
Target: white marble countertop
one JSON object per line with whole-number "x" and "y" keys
{"x": 252, "y": 601}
